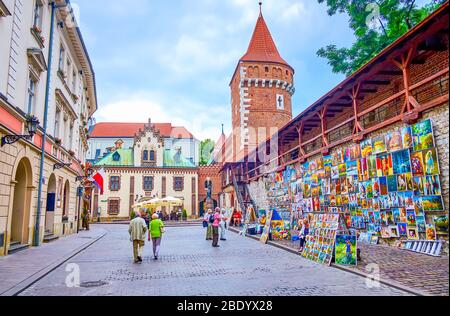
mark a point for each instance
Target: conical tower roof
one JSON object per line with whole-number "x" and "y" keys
{"x": 262, "y": 47}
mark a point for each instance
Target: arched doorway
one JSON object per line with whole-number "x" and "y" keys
{"x": 66, "y": 199}
{"x": 20, "y": 218}
{"x": 51, "y": 205}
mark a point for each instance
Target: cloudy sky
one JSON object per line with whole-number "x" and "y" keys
{"x": 171, "y": 61}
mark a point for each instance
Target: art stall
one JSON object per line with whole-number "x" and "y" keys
{"x": 386, "y": 189}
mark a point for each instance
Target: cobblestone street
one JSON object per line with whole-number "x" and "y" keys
{"x": 418, "y": 272}
{"x": 190, "y": 266}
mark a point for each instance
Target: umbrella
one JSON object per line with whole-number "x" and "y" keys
{"x": 171, "y": 201}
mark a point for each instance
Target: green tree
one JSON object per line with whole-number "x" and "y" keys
{"x": 206, "y": 150}
{"x": 376, "y": 24}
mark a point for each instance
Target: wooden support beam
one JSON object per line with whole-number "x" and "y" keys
{"x": 390, "y": 73}
{"x": 300, "y": 130}
{"x": 369, "y": 90}
{"x": 354, "y": 96}
{"x": 378, "y": 82}
{"x": 323, "y": 122}
{"x": 403, "y": 65}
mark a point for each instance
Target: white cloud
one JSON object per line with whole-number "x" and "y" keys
{"x": 140, "y": 107}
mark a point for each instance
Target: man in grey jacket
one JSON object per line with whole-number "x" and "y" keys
{"x": 137, "y": 230}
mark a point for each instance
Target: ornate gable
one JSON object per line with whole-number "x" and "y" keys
{"x": 149, "y": 127}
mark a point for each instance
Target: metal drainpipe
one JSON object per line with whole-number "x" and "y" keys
{"x": 36, "y": 241}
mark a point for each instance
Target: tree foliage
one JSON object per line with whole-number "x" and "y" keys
{"x": 206, "y": 150}
{"x": 376, "y": 24}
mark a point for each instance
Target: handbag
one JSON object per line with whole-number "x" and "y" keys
{"x": 205, "y": 224}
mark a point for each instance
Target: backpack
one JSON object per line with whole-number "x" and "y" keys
{"x": 211, "y": 219}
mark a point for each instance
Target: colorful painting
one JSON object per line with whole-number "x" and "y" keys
{"x": 418, "y": 186}
{"x": 417, "y": 164}
{"x": 431, "y": 163}
{"x": 363, "y": 171}
{"x": 383, "y": 185}
{"x": 404, "y": 182}
{"x": 392, "y": 183}
{"x": 337, "y": 157}
{"x": 353, "y": 152}
{"x": 407, "y": 137}
{"x": 385, "y": 233}
{"x": 372, "y": 166}
{"x": 411, "y": 219}
{"x": 384, "y": 165}
{"x": 441, "y": 223}
{"x": 422, "y": 134}
{"x": 402, "y": 229}
{"x": 401, "y": 162}
{"x": 430, "y": 232}
{"x": 379, "y": 145}
{"x": 366, "y": 148}
{"x": 266, "y": 230}
{"x": 431, "y": 185}
{"x": 327, "y": 161}
{"x": 432, "y": 203}
{"x": 413, "y": 233}
{"x": 352, "y": 168}
{"x": 342, "y": 170}
{"x": 346, "y": 250}
{"x": 394, "y": 231}
{"x": 394, "y": 141}
{"x": 421, "y": 223}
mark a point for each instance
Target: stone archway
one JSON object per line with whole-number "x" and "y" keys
{"x": 20, "y": 216}
{"x": 51, "y": 205}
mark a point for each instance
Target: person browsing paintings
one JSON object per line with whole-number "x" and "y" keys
{"x": 304, "y": 232}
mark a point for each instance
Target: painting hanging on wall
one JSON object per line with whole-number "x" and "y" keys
{"x": 401, "y": 162}
{"x": 441, "y": 223}
{"x": 431, "y": 162}
{"x": 422, "y": 134}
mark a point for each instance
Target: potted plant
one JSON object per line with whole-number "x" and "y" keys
{"x": 185, "y": 215}
{"x": 58, "y": 141}
{"x": 72, "y": 153}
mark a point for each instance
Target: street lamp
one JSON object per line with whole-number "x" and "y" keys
{"x": 31, "y": 125}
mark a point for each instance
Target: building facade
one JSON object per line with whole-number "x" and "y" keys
{"x": 153, "y": 166}
{"x": 25, "y": 33}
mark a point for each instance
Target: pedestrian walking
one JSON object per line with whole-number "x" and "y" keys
{"x": 304, "y": 232}
{"x": 137, "y": 230}
{"x": 209, "y": 229}
{"x": 156, "y": 232}
{"x": 215, "y": 227}
{"x": 223, "y": 225}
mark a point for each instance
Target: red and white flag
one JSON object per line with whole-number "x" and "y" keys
{"x": 99, "y": 180}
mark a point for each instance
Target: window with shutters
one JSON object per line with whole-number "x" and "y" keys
{"x": 113, "y": 206}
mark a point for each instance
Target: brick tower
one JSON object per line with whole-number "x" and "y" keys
{"x": 261, "y": 88}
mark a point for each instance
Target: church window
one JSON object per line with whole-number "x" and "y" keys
{"x": 145, "y": 155}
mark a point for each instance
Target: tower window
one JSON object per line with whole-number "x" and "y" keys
{"x": 267, "y": 69}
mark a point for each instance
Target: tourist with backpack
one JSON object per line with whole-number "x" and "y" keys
{"x": 209, "y": 229}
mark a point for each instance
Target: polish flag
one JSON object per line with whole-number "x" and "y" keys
{"x": 99, "y": 180}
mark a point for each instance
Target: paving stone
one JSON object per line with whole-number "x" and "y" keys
{"x": 189, "y": 266}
